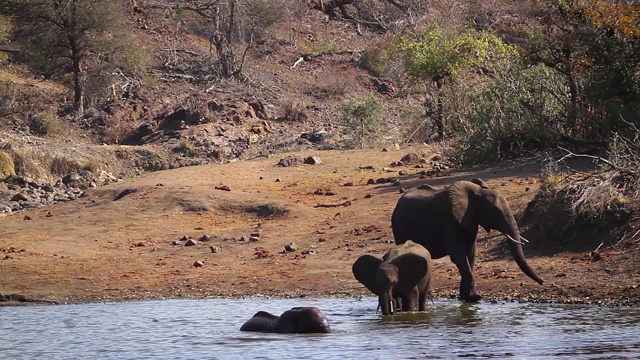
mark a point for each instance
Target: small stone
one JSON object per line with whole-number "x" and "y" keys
{"x": 308, "y": 252}
{"x": 214, "y": 249}
{"x": 243, "y": 238}
{"x": 561, "y": 274}
{"x": 27, "y": 217}
{"x": 348, "y": 183}
{"x": 176, "y": 242}
{"x": 291, "y": 247}
{"x": 198, "y": 263}
{"x": 20, "y": 197}
{"x": 223, "y": 187}
{"x": 371, "y": 182}
{"x": 368, "y": 196}
{"x": 255, "y": 233}
{"x": 254, "y": 239}
{"x": 277, "y": 179}
{"x": 410, "y": 159}
{"x": 381, "y": 181}
{"x": 205, "y": 238}
{"x": 312, "y": 160}
{"x": 402, "y": 172}
{"x": 140, "y": 244}
{"x": 384, "y": 149}
{"x": 190, "y": 242}
{"x": 402, "y": 190}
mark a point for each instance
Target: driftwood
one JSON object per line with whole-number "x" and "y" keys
{"x": 332, "y": 205}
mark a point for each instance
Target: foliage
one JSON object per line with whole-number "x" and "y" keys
{"x": 438, "y": 52}
{"x": 61, "y": 166}
{"x": 362, "y": 117}
{"x": 186, "y": 148}
{"x": 510, "y": 115}
{"x": 65, "y": 29}
{"x": 438, "y": 55}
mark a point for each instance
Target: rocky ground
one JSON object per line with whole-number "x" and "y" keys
{"x": 254, "y": 228}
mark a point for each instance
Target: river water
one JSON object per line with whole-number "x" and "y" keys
{"x": 208, "y": 329}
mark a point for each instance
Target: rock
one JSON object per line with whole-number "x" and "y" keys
{"x": 308, "y": 252}
{"x": 223, "y": 187}
{"x": 214, "y": 249}
{"x": 205, "y": 238}
{"x": 316, "y": 136}
{"x": 20, "y": 197}
{"x": 381, "y": 181}
{"x": 410, "y": 159}
{"x": 190, "y": 242}
{"x": 312, "y": 160}
{"x": 254, "y": 239}
{"x": 291, "y": 160}
{"x": 368, "y": 196}
{"x": 176, "y": 243}
{"x": 349, "y": 183}
{"x": 243, "y": 238}
{"x": 291, "y": 247}
{"x": 403, "y": 173}
{"x": 371, "y": 182}
{"x": 140, "y": 244}
{"x": 198, "y": 263}
{"x": 69, "y": 178}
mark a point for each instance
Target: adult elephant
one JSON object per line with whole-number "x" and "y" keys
{"x": 404, "y": 273}
{"x": 446, "y": 223}
{"x": 296, "y": 320}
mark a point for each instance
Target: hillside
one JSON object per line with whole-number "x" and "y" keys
{"x": 167, "y": 149}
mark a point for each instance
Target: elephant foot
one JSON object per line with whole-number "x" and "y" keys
{"x": 471, "y": 298}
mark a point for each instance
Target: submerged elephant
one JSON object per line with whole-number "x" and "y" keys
{"x": 403, "y": 273}
{"x": 296, "y": 320}
{"x": 446, "y": 223}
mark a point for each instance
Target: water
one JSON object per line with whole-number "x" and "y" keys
{"x": 208, "y": 329}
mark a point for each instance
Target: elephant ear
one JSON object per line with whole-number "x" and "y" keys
{"x": 462, "y": 195}
{"x": 411, "y": 269}
{"x": 364, "y": 270}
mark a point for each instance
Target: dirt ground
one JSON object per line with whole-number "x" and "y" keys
{"x": 100, "y": 249}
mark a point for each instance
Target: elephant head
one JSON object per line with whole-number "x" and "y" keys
{"x": 473, "y": 205}
{"x": 392, "y": 277}
{"x": 296, "y": 320}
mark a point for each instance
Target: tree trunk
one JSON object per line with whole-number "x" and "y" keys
{"x": 78, "y": 77}
{"x": 440, "y": 111}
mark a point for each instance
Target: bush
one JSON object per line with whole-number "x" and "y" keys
{"x": 29, "y": 164}
{"x": 47, "y": 124}
{"x": 294, "y": 111}
{"x": 361, "y": 117}
{"x": 61, "y": 166}
{"x": 186, "y": 148}
{"x": 512, "y": 115}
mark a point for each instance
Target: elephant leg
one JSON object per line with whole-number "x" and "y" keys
{"x": 471, "y": 254}
{"x": 409, "y": 304}
{"x": 458, "y": 254}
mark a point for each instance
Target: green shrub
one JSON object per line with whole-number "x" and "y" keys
{"x": 512, "y": 115}
{"x": 361, "y": 117}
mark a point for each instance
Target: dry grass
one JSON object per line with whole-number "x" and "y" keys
{"x": 7, "y": 167}
{"x": 61, "y": 166}
{"x": 30, "y": 164}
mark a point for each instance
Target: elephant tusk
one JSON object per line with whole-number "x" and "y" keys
{"x": 514, "y": 240}
{"x": 522, "y": 238}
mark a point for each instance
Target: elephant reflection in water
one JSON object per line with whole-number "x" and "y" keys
{"x": 296, "y": 320}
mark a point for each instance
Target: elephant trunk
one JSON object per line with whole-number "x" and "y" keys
{"x": 387, "y": 303}
{"x": 515, "y": 245}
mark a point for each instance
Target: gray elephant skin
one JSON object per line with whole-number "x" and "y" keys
{"x": 401, "y": 276}
{"x": 446, "y": 223}
{"x": 297, "y": 320}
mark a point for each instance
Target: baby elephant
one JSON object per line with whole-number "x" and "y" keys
{"x": 404, "y": 273}
{"x": 297, "y": 320}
